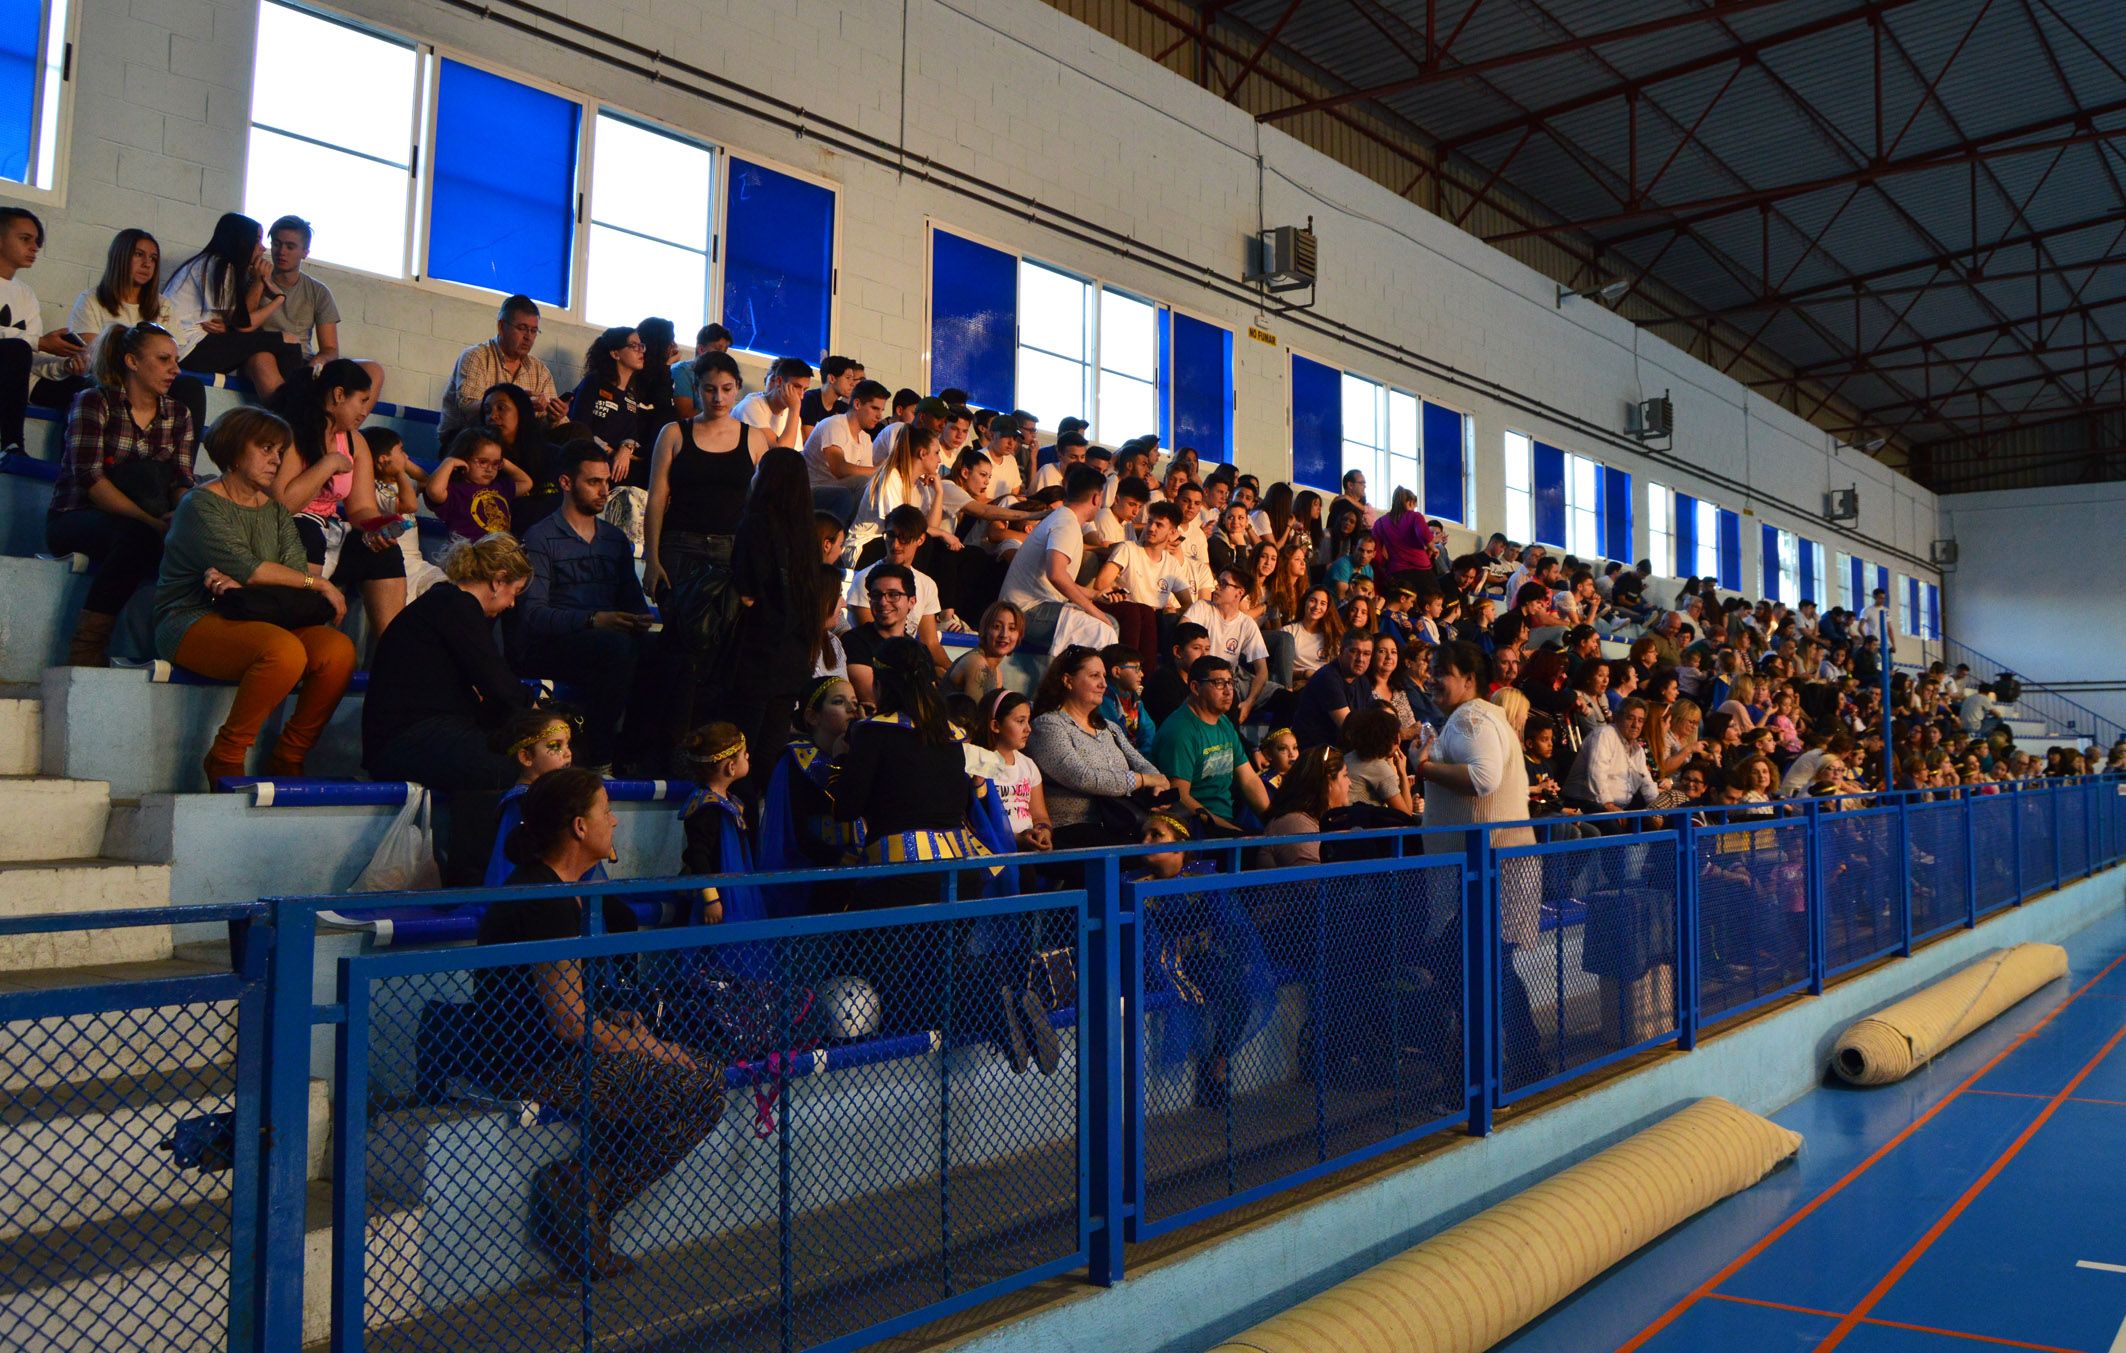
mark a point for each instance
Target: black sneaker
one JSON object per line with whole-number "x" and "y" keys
{"x": 1047, "y": 1052}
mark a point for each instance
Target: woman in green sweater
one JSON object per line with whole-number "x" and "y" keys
{"x": 233, "y": 533}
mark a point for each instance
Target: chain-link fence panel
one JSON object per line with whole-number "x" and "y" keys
{"x": 764, "y": 1144}
{"x": 1587, "y": 969}
{"x": 1993, "y": 850}
{"x": 1940, "y": 887}
{"x": 1294, "y": 1019}
{"x": 1860, "y": 886}
{"x": 116, "y": 1219}
{"x": 1753, "y": 923}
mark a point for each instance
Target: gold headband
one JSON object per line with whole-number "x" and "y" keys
{"x": 1179, "y": 827}
{"x": 545, "y": 730}
{"x": 1276, "y": 733}
{"x": 719, "y": 755}
{"x": 821, "y": 692}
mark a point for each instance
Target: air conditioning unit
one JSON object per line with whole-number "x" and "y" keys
{"x": 1285, "y": 258}
{"x": 1653, "y": 418}
{"x": 1942, "y": 554}
{"x": 1842, "y": 505}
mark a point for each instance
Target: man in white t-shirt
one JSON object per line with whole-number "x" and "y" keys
{"x": 1070, "y": 450}
{"x": 1195, "y": 544}
{"x": 906, "y": 529}
{"x": 1875, "y": 622}
{"x": 838, "y": 454}
{"x": 930, "y": 413}
{"x": 1234, "y": 637}
{"x": 1043, "y": 578}
{"x": 1113, "y": 525}
{"x": 1002, "y": 448}
{"x": 1151, "y": 574}
{"x": 780, "y": 407}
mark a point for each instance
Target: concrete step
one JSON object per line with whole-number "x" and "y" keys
{"x": 48, "y": 819}
{"x": 85, "y": 1151}
{"x": 21, "y": 733}
{"x": 34, "y": 887}
{"x": 47, "y": 1053}
{"x": 159, "y": 1279}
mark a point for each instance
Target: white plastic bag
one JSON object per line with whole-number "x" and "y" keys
{"x": 405, "y": 859}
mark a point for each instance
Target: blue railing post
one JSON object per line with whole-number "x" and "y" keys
{"x": 250, "y": 957}
{"x": 1812, "y": 882}
{"x": 350, "y": 1211}
{"x": 286, "y": 1130}
{"x": 1480, "y": 1004}
{"x": 1904, "y": 877}
{"x": 1688, "y": 950}
{"x": 1970, "y": 819}
{"x": 1102, "y": 1021}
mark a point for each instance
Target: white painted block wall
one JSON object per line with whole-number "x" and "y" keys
{"x": 1016, "y": 95}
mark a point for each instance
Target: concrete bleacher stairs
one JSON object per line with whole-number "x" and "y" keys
{"x": 92, "y": 1097}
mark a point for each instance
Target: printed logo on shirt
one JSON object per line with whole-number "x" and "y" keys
{"x": 1216, "y": 764}
{"x": 489, "y": 510}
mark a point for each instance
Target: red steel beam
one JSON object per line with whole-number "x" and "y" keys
{"x": 1262, "y": 48}
{"x": 1432, "y": 73}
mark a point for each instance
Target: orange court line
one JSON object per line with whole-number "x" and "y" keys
{"x": 2071, "y": 1099}
{"x": 1736, "y": 1265}
{"x": 1956, "y": 1209}
{"x": 1899, "y": 1325}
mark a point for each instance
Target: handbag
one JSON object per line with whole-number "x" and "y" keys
{"x": 150, "y": 484}
{"x": 291, "y": 608}
{"x": 1124, "y": 815}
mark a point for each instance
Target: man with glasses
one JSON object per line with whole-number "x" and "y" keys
{"x": 505, "y": 359}
{"x": 1200, "y": 750}
{"x": 1235, "y": 637}
{"x": 890, "y": 588}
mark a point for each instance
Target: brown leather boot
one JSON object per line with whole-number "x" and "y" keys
{"x": 91, "y": 646}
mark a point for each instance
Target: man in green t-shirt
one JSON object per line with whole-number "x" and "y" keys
{"x": 1200, "y": 750}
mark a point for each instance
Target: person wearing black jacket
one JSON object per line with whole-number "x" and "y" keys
{"x": 438, "y": 689}
{"x": 1166, "y": 690}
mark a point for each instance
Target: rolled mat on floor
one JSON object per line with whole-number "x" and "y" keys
{"x": 1474, "y": 1284}
{"x": 1892, "y": 1043}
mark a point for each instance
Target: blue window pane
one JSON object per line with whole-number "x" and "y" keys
{"x": 778, "y": 272}
{"x": 1446, "y": 464}
{"x": 1771, "y": 564}
{"x": 1686, "y": 535}
{"x": 1202, "y": 382}
{"x": 1882, "y": 581}
{"x": 1808, "y": 569}
{"x": 504, "y": 211}
{"x": 1857, "y": 574}
{"x": 21, "y": 22}
{"x": 1549, "y": 475}
{"x": 1317, "y": 425}
{"x": 1616, "y": 513}
{"x": 1731, "y": 550}
{"x": 974, "y": 319}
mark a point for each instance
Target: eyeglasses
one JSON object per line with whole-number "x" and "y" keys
{"x": 1217, "y": 683}
{"x": 889, "y": 596}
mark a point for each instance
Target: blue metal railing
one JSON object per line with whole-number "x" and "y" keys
{"x": 2062, "y": 712}
{"x": 872, "y": 1119}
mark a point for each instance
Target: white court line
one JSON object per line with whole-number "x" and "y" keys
{"x": 2105, "y": 1268}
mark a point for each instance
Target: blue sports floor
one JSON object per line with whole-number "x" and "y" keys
{"x": 1979, "y": 1204}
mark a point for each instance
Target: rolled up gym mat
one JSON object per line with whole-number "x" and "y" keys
{"x": 1897, "y": 1040}
{"x": 1474, "y": 1284}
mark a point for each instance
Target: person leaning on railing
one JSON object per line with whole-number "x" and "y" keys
{"x": 643, "y": 1102}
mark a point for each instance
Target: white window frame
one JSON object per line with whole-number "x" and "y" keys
{"x": 1102, "y": 370}
{"x": 1086, "y": 364}
{"x": 1705, "y": 519}
{"x": 1844, "y": 564}
{"x": 712, "y": 248}
{"x": 1519, "y": 486}
{"x": 1661, "y": 527}
{"x": 1583, "y": 520}
{"x": 1789, "y": 568}
{"x": 52, "y": 124}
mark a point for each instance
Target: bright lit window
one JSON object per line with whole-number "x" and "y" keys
{"x": 348, "y": 174}
{"x": 1789, "y": 568}
{"x": 1583, "y": 517}
{"x": 1129, "y": 368}
{"x": 1055, "y": 344}
{"x": 1520, "y": 488}
{"x": 1812, "y": 571}
{"x": 650, "y": 223}
{"x": 1846, "y": 596}
{"x": 1661, "y": 527}
{"x": 1402, "y": 464}
{"x": 1364, "y": 437}
{"x": 32, "y": 77}
{"x": 1706, "y": 524}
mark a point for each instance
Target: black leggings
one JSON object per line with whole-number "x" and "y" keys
{"x": 127, "y": 553}
{"x": 227, "y": 351}
{"x": 19, "y": 389}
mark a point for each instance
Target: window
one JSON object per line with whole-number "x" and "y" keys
{"x": 1789, "y": 567}
{"x": 648, "y": 251}
{"x": 1908, "y": 621}
{"x": 33, "y": 50}
{"x": 1200, "y": 383}
{"x": 1812, "y": 579}
{"x": 1707, "y": 538}
{"x": 1661, "y": 527}
{"x": 974, "y": 319}
{"x": 350, "y": 177}
{"x": 1520, "y": 489}
{"x": 502, "y": 222}
{"x": 1129, "y": 369}
{"x": 778, "y": 268}
{"x": 1317, "y": 425}
{"x": 1850, "y": 595}
{"x": 1055, "y": 343}
{"x": 1583, "y": 514}
{"x": 1930, "y": 620}
{"x": 1380, "y": 437}
{"x": 1449, "y": 450}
